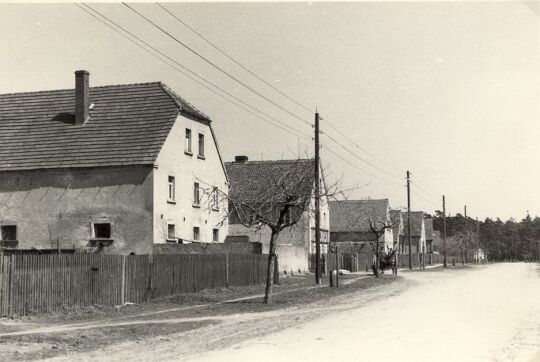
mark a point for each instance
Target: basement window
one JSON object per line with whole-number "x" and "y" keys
{"x": 9, "y": 232}
{"x": 102, "y": 230}
{"x": 8, "y": 236}
{"x": 171, "y": 231}
{"x": 101, "y": 234}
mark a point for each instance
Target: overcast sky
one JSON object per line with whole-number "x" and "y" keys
{"x": 449, "y": 91}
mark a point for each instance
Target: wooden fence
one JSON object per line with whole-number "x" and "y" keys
{"x": 42, "y": 283}
{"x": 355, "y": 262}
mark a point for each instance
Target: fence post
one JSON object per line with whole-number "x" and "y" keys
{"x": 337, "y": 267}
{"x": 227, "y": 270}
{"x": 11, "y": 285}
{"x": 123, "y": 285}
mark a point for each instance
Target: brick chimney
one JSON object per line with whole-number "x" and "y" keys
{"x": 82, "y": 110}
{"x": 240, "y": 159}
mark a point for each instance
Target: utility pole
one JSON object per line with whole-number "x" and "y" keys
{"x": 409, "y": 216}
{"x": 477, "y": 241}
{"x": 466, "y": 236}
{"x": 445, "y": 263}
{"x": 317, "y": 205}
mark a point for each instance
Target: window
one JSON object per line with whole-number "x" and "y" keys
{"x": 196, "y": 233}
{"x": 170, "y": 232}
{"x": 201, "y": 145}
{"x": 9, "y": 232}
{"x": 187, "y": 147}
{"x": 196, "y": 194}
{"x": 171, "y": 188}
{"x": 288, "y": 217}
{"x": 102, "y": 230}
{"x": 215, "y": 235}
{"x": 215, "y": 199}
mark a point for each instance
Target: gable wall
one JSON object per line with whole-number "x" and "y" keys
{"x": 187, "y": 169}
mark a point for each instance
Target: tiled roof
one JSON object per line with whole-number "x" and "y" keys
{"x": 351, "y": 236}
{"x": 233, "y": 239}
{"x": 128, "y": 125}
{"x": 428, "y": 225}
{"x": 417, "y": 218}
{"x": 354, "y": 215}
{"x": 251, "y": 179}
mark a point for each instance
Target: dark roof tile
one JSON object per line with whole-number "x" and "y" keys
{"x": 354, "y": 215}
{"x": 128, "y": 125}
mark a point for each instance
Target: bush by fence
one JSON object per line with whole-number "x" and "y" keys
{"x": 42, "y": 283}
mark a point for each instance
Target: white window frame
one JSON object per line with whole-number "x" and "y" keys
{"x": 199, "y": 139}
{"x": 196, "y": 194}
{"x": 93, "y": 230}
{"x": 187, "y": 141}
{"x": 215, "y": 198}
{"x": 171, "y": 188}
{"x": 174, "y": 232}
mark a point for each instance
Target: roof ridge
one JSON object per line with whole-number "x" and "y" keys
{"x": 385, "y": 199}
{"x": 269, "y": 161}
{"x": 181, "y": 102}
{"x": 69, "y": 89}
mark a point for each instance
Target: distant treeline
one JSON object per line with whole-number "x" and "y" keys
{"x": 501, "y": 240}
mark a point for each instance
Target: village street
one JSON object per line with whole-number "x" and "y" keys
{"x": 481, "y": 313}
{"x": 492, "y": 314}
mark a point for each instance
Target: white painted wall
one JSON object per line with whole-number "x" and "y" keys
{"x": 187, "y": 169}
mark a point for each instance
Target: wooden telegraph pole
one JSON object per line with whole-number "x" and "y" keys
{"x": 477, "y": 241}
{"x": 317, "y": 205}
{"x": 445, "y": 263}
{"x": 409, "y": 217}
{"x": 466, "y": 237}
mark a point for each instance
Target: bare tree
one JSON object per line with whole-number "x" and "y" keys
{"x": 278, "y": 203}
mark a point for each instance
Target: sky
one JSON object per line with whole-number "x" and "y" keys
{"x": 447, "y": 90}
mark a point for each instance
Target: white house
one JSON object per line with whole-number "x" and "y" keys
{"x": 114, "y": 168}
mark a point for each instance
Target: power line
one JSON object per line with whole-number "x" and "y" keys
{"x": 360, "y": 158}
{"x": 359, "y": 147}
{"x": 360, "y": 169}
{"x": 302, "y": 134}
{"x": 185, "y": 69}
{"x": 430, "y": 202}
{"x": 425, "y": 189}
{"x": 216, "y": 66}
{"x": 233, "y": 59}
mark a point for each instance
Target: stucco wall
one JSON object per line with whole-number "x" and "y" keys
{"x": 60, "y": 205}
{"x": 188, "y": 169}
{"x": 291, "y": 242}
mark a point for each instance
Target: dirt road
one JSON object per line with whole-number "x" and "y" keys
{"x": 489, "y": 313}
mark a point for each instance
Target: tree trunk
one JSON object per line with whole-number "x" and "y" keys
{"x": 270, "y": 268}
